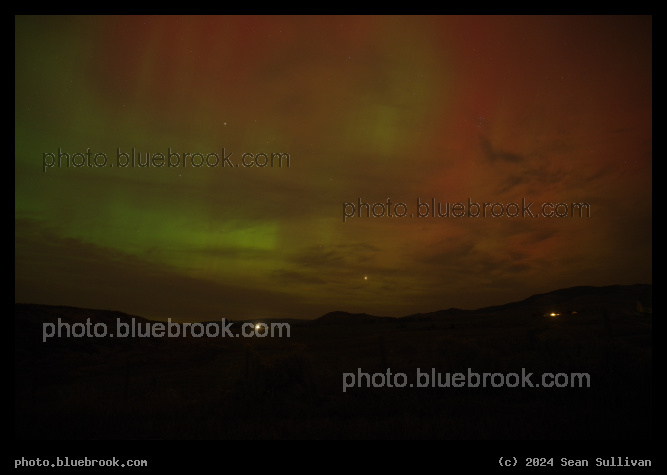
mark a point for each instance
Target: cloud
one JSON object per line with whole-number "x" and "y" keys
{"x": 540, "y": 177}
{"x": 493, "y": 154}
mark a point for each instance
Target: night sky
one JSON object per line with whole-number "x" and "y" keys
{"x": 491, "y": 109}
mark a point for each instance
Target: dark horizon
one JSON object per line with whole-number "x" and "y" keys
{"x": 644, "y": 299}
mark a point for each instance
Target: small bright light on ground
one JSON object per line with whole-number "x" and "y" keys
{"x": 553, "y": 314}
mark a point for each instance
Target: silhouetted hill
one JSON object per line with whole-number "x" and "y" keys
{"x": 450, "y": 312}
{"x": 339, "y": 317}
{"x": 615, "y": 299}
{"x": 612, "y": 298}
{"x": 30, "y": 320}
{"x": 51, "y": 313}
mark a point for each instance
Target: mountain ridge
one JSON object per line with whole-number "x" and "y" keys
{"x": 619, "y": 298}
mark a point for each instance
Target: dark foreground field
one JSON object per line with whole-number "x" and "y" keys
{"x": 264, "y": 388}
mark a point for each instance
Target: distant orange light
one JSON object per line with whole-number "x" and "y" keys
{"x": 553, "y": 314}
